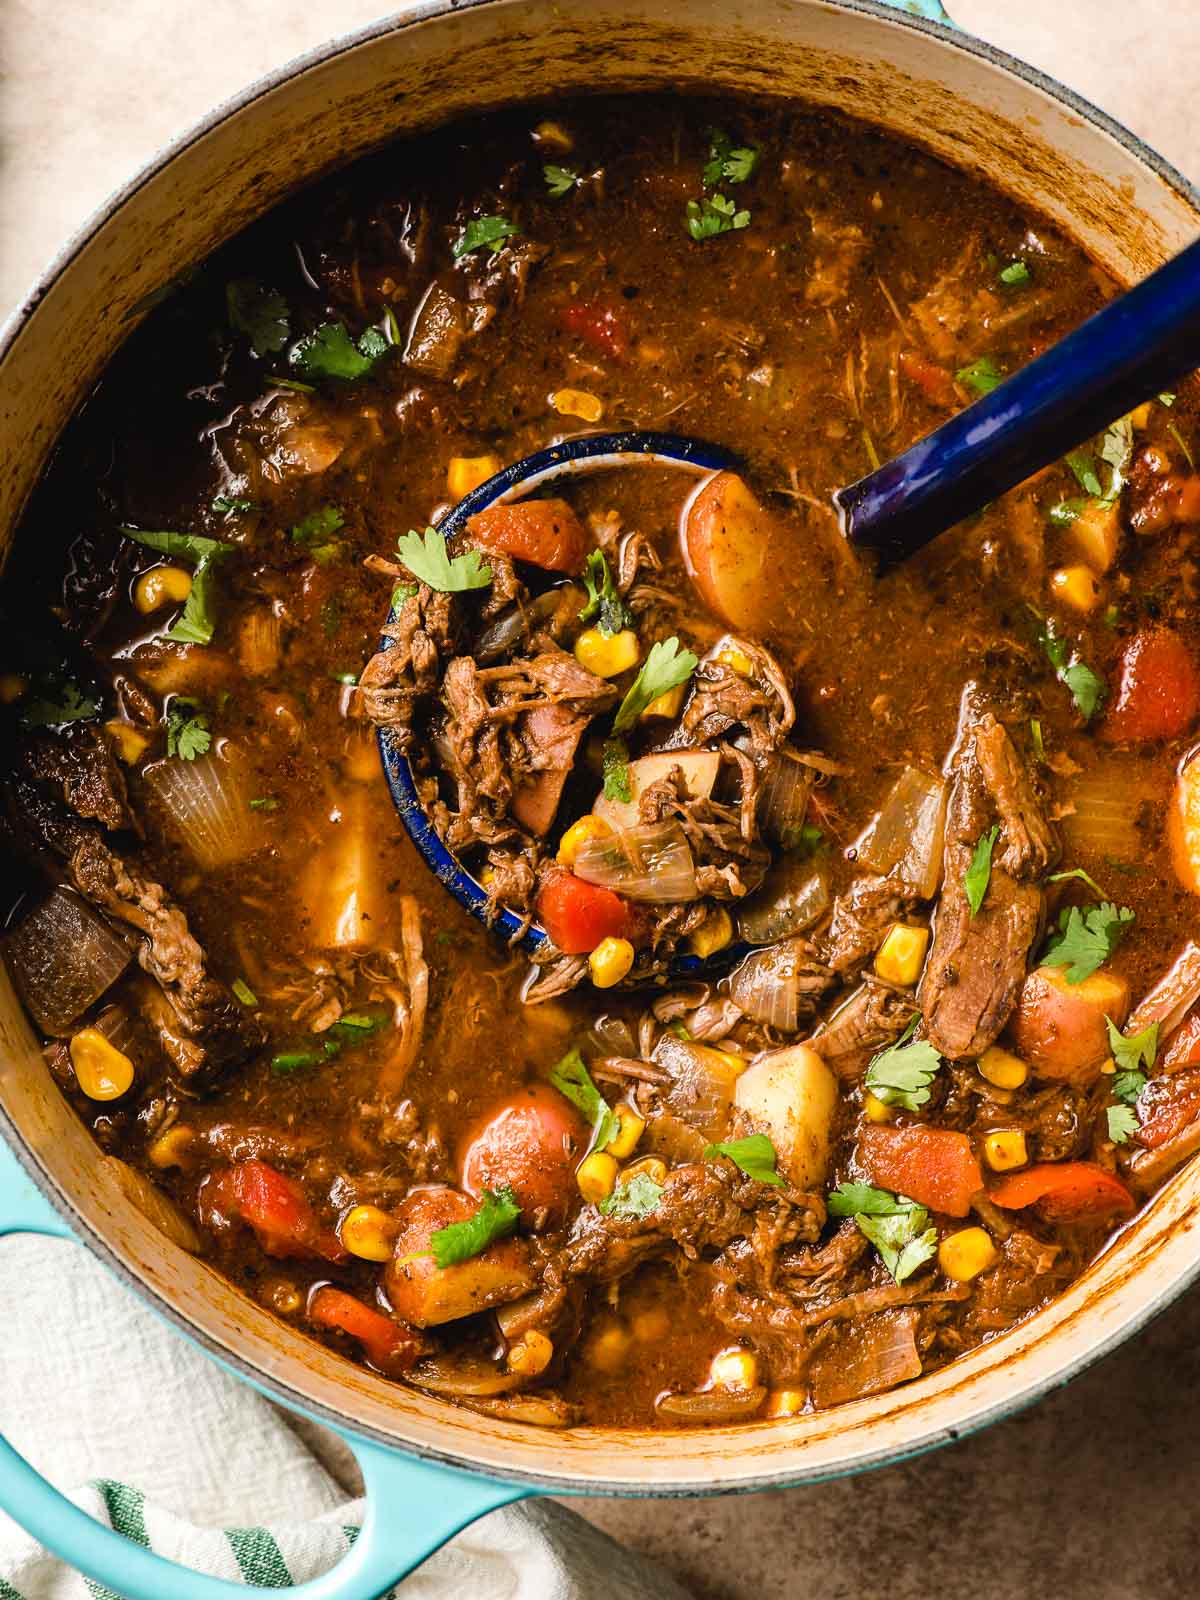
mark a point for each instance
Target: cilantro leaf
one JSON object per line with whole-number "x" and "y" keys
{"x": 904, "y": 1241}
{"x": 664, "y": 669}
{"x": 982, "y": 375}
{"x": 1122, "y": 1122}
{"x": 633, "y": 1197}
{"x": 196, "y": 624}
{"x": 755, "y": 1156}
{"x": 573, "y": 1080}
{"x": 54, "y": 703}
{"x": 264, "y": 802}
{"x": 495, "y": 1219}
{"x": 261, "y": 314}
{"x": 427, "y": 558}
{"x": 1116, "y": 450}
{"x": 860, "y": 1199}
{"x": 705, "y": 218}
{"x": 725, "y": 163}
{"x": 329, "y": 352}
{"x": 1132, "y": 1052}
{"x": 615, "y": 766}
{"x": 188, "y": 733}
{"x": 1087, "y": 689}
{"x": 901, "y": 1074}
{"x": 1083, "y": 465}
{"x": 978, "y": 874}
{"x": 233, "y": 505}
{"x": 1015, "y": 275}
{"x": 315, "y": 532}
{"x": 243, "y": 992}
{"x": 481, "y": 232}
{"x": 1065, "y": 512}
{"x": 1086, "y": 939}
{"x": 560, "y": 180}
{"x": 604, "y": 598}
{"x": 805, "y": 841}
{"x": 1077, "y": 872}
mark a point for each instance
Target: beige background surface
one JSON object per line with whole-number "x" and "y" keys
{"x": 1092, "y": 1496}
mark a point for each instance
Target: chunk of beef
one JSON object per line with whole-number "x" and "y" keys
{"x": 1029, "y": 1273}
{"x": 861, "y": 916}
{"x": 872, "y": 1017}
{"x": 80, "y": 769}
{"x": 550, "y": 735}
{"x": 729, "y": 862}
{"x": 407, "y": 668}
{"x": 977, "y": 963}
{"x": 758, "y": 706}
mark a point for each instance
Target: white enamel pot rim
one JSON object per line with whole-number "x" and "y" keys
{"x": 963, "y": 100}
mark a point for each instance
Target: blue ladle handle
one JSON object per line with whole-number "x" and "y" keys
{"x": 1136, "y": 347}
{"x": 413, "y": 1506}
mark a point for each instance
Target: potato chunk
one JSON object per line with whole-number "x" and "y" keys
{"x": 1060, "y": 1028}
{"x": 425, "y": 1294}
{"x": 790, "y": 1095}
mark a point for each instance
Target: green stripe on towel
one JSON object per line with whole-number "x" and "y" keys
{"x": 259, "y": 1557}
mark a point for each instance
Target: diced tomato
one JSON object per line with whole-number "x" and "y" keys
{"x": 1064, "y": 1191}
{"x": 602, "y": 326}
{"x": 934, "y": 1166}
{"x": 546, "y": 533}
{"x": 393, "y": 1347}
{"x": 934, "y": 382}
{"x": 577, "y": 915}
{"x": 1182, "y": 1049}
{"x": 1165, "y": 1107}
{"x": 532, "y": 1142}
{"x": 275, "y": 1209}
{"x": 1158, "y": 694}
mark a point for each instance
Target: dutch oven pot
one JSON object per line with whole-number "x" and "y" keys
{"x": 430, "y": 1468}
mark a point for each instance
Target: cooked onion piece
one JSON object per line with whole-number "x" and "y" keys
{"x": 63, "y": 956}
{"x": 206, "y": 804}
{"x": 905, "y": 839}
{"x": 652, "y": 862}
{"x": 771, "y": 985}
{"x": 794, "y": 895}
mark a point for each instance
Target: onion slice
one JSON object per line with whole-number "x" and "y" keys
{"x": 206, "y": 803}
{"x": 702, "y": 1085}
{"x": 793, "y": 896}
{"x": 771, "y": 985}
{"x": 62, "y": 958}
{"x": 904, "y": 842}
{"x": 783, "y": 799}
{"x": 711, "y": 1405}
{"x": 652, "y": 862}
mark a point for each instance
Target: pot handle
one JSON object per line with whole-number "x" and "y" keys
{"x": 413, "y": 1506}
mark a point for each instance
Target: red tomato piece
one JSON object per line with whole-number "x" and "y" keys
{"x": 274, "y": 1208}
{"x": 546, "y": 533}
{"x": 532, "y": 1142}
{"x": 934, "y": 382}
{"x": 602, "y": 326}
{"x": 1158, "y": 694}
{"x": 393, "y": 1347}
{"x": 1182, "y": 1049}
{"x": 1064, "y": 1191}
{"x": 577, "y": 915}
{"x": 1165, "y": 1107}
{"x": 934, "y": 1166}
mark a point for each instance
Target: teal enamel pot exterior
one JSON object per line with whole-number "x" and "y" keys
{"x": 430, "y": 1467}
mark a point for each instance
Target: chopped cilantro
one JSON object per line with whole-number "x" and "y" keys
{"x": 1015, "y": 275}
{"x": 188, "y": 734}
{"x": 1083, "y": 466}
{"x": 54, "y": 703}
{"x": 633, "y": 1197}
{"x": 901, "y": 1074}
{"x": 727, "y": 164}
{"x": 402, "y": 593}
{"x": 898, "y": 1228}
{"x": 314, "y": 532}
{"x": 351, "y": 1029}
{"x": 1065, "y": 512}
{"x": 495, "y": 1219}
{"x": 982, "y": 375}
{"x": 426, "y": 557}
{"x": 329, "y": 352}
{"x": 978, "y": 874}
{"x": 806, "y": 840}
{"x": 604, "y": 600}
{"x": 233, "y": 505}
{"x": 860, "y": 1199}
{"x": 1077, "y": 872}
{"x": 1166, "y": 399}
{"x": 573, "y": 1080}
{"x": 1086, "y": 687}
{"x": 484, "y": 232}
{"x": 1131, "y": 1054}
{"x": 615, "y": 767}
{"x": 754, "y": 1155}
{"x": 664, "y": 669}
{"x": 560, "y": 180}
{"x": 1086, "y": 939}
{"x": 705, "y": 218}
{"x": 347, "y": 679}
{"x": 244, "y": 992}
{"x": 265, "y": 802}
{"x": 1122, "y": 1122}
{"x": 196, "y": 624}
{"x": 261, "y": 314}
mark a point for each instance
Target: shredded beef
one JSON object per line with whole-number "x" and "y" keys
{"x": 80, "y": 768}
{"x": 407, "y": 668}
{"x": 874, "y": 1015}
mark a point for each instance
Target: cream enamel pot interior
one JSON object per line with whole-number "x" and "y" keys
{"x": 916, "y": 78}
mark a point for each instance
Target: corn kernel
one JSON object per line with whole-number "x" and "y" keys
{"x": 713, "y": 934}
{"x": 131, "y": 742}
{"x": 667, "y": 705}
{"x": 170, "y": 1149}
{"x": 368, "y": 1233}
{"x": 902, "y": 954}
{"x": 579, "y": 833}
{"x": 101, "y": 1070}
{"x": 1002, "y": 1068}
{"x": 597, "y": 1176}
{"x": 606, "y": 657}
{"x": 965, "y": 1254}
{"x": 874, "y": 1108}
{"x": 608, "y": 1347}
{"x": 629, "y": 1130}
{"x": 1075, "y": 587}
{"x": 1109, "y": 1068}
{"x": 12, "y": 687}
{"x": 1140, "y": 417}
{"x": 651, "y": 1167}
{"x": 467, "y": 472}
{"x": 734, "y": 1369}
{"x": 487, "y": 876}
{"x": 651, "y": 1325}
{"x": 161, "y": 586}
{"x": 577, "y": 403}
{"x": 784, "y": 1403}
{"x": 1005, "y": 1149}
{"x": 1096, "y": 533}
{"x": 531, "y": 1354}
{"x": 610, "y": 961}
{"x": 730, "y": 656}
{"x": 736, "y": 1062}
{"x": 553, "y": 133}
